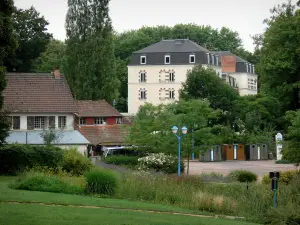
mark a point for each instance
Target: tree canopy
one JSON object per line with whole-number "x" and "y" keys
{"x": 33, "y": 37}
{"x": 279, "y": 67}
{"x": 52, "y": 57}
{"x": 90, "y": 61}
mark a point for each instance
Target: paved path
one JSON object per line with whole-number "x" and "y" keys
{"x": 259, "y": 167}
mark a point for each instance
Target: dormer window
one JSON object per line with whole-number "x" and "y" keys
{"x": 213, "y": 59}
{"x": 250, "y": 68}
{"x": 192, "y": 58}
{"x": 167, "y": 59}
{"x": 143, "y": 59}
{"x": 247, "y": 68}
{"x": 253, "y": 69}
{"x": 217, "y": 60}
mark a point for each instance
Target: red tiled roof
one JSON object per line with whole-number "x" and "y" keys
{"x": 109, "y": 134}
{"x": 96, "y": 108}
{"x": 38, "y": 92}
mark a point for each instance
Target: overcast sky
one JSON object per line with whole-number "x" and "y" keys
{"x": 243, "y": 16}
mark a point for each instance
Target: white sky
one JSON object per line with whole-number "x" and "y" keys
{"x": 243, "y": 16}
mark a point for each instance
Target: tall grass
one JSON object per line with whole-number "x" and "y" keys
{"x": 252, "y": 201}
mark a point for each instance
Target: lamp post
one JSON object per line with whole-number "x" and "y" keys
{"x": 183, "y": 131}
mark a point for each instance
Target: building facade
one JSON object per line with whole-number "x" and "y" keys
{"x": 101, "y": 124}
{"x": 156, "y": 73}
{"x": 36, "y": 103}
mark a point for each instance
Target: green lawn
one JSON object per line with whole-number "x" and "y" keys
{"x": 31, "y": 214}
{"x": 26, "y": 214}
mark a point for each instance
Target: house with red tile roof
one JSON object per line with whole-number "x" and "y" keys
{"x": 101, "y": 124}
{"x": 39, "y": 101}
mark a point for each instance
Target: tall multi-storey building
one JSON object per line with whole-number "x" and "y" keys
{"x": 156, "y": 73}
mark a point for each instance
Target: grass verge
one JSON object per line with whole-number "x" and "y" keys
{"x": 24, "y": 214}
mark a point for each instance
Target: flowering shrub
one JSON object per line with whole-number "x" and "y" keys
{"x": 159, "y": 162}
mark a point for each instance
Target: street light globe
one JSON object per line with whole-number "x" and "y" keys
{"x": 174, "y": 130}
{"x": 184, "y": 130}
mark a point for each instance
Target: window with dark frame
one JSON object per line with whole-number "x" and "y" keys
{"x": 62, "y": 122}
{"x": 167, "y": 59}
{"x": 171, "y": 76}
{"x": 99, "y": 120}
{"x": 143, "y": 59}
{"x": 82, "y": 121}
{"x": 143, "y": 94}
{"x": 192, "y": 58}
{"x": 171, "y": 94}
{"x": 143, "y": 77}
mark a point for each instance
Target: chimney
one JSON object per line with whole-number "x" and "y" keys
{"x": 56, "y": 73}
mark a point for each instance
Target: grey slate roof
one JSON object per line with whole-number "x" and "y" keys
{"x": 67, "y": 137}
{"x": 222, "y": 53}
{"x": 174, "y": 45}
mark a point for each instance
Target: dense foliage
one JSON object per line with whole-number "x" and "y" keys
{"x": 90, "y": 64}
{"x": 33, "y": 37}
{"x": 75, "y": 163}
{"x": 16, "y": 158}
{"x": 123, "y": 160}
{"x": 52, "y": 58}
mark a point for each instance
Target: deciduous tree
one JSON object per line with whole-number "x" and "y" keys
{"x": 33, "y": 37}
{"x": 279, "y": 66}
{"x": 53, "y": 57}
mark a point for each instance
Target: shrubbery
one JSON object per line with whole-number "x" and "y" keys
{"x": 159, "y": 162}
{"x": 286, "y": 177}
{"x": 243, "y": 176}
{"x": 38, "y": 181}
{"x": 75, "y": 163}
{"x": 16, "y": 158}
{"x": 130, "y": 161}
{"x": 283, "y": 161}
{"x": 103, "y": 182}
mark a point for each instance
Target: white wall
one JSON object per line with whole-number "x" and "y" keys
{"x": 153, "y": 85}
{"x": 242, "y": 81}
{"x": 23, "y": 119}
{"x": 81, "y": 148}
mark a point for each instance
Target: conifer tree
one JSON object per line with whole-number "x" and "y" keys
{"x": 90, "y": 60}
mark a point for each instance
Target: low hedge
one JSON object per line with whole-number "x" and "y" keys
{"x": 16, "y": 158}
{"x": 122, "y": 160}
{"x": 242, "y": 176}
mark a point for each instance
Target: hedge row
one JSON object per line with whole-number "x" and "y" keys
{"x": 15, "y": 158}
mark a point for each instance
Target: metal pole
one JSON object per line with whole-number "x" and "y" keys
{"x": 275, "y": 192}
{"x": 193, "y": 145}
{"x": 179, "y": 143}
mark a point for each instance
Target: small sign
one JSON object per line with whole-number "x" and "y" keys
{"x": 274, "y": 175}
